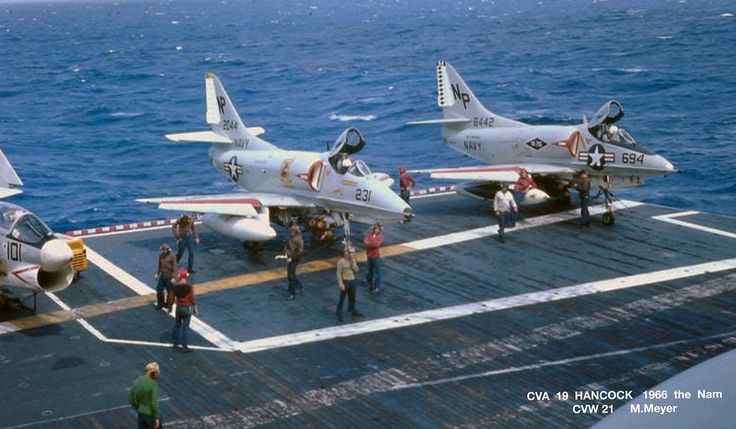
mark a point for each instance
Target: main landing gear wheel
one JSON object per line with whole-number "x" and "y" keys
{"x": 253, "y": 246}
{"x": 608, "y": 218}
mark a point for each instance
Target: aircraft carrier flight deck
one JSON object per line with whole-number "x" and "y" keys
{"x": 468, "y": 332}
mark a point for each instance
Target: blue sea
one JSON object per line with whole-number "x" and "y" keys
{"x": 89, "y": 89}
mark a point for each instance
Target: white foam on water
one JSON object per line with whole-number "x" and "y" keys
{"x": 346, "y": 118}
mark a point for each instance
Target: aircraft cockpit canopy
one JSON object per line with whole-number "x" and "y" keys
{"x": 23, "y": 225}
{"x": 350, "y": 142}
{"x": 608, "y": 114}
{"x": 359, "y": 169}
{"x": 603, "y": 127}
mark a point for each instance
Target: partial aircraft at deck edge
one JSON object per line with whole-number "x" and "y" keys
{"x": 321, "y": 190}
{"x": 552, "y": 154}
{"x": 33, "y": 257}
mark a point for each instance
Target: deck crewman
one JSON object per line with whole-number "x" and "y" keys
{"x": 505, "y": 209}
{"x": 583, "y": 187}
{"x": 373, "y": 242}
{"x": 294, "y": 250}
{"x": 186, "y": 306}
{"x": 164, "y": 275}
{"x": 347, "y": 268}
{"x": 143, "y": 397}
{"x": 406, "y": 184}
{"x": 186, "y": 236}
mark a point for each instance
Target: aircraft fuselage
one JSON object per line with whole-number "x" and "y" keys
{"x": 566, "y": 146}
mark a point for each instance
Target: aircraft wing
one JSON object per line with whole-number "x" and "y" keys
{"x": 242, "y": 204}
{"x": 495, "y": 173}
{"x": 209, "y": 136}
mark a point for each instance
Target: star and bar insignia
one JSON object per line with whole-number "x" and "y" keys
{"x": 596, "y": 157}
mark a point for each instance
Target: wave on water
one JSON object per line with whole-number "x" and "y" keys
{"x": 726, "y": 15}
{"x": 622, "y": 70}
{"x": 347, "y": 118}
{"x": 126, "y": 114}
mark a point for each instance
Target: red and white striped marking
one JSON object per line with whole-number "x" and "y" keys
{"x": 433, "y": 190}
{"x": 124, "y": 227}
{"x": 117, "y": 228}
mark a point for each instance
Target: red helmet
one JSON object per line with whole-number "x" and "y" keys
{"x": 183, "y": 274}
{"x": 402, "y": 170}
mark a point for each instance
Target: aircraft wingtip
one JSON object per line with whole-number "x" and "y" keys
{"x": 210, "y": 75}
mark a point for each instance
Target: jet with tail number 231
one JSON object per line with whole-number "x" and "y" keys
{"x": 552, "y": 154}
{"x": 320, "y": 190}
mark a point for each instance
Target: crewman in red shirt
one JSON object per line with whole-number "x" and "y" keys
{"x": 525, "y": 182}
{"x": 406, "y": 184}
{"x": 373, "y": 242}
{"x": 186, "y": 305}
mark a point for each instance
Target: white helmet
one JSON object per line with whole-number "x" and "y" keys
{"x": 613, "y": 130}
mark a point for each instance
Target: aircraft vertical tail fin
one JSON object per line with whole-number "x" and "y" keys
{"x": 8, "y": 178}
{"x": 457, "y": 101}
{"x": 227, "y": 126}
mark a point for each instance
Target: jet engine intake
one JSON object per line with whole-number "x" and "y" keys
{"x": 34, "y": 277}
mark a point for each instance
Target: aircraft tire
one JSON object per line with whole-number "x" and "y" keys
{"x": 608, "y": 218}
{"x": 253, "y": 246}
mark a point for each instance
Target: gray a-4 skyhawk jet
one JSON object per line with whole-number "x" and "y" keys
{"x": 552, "y": 154}
{"x": 33, "y": 257}
{"x": 321, "y": 190}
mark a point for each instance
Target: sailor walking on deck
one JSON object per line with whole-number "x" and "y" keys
{"x": 505, "y": 209}
{"x": 294, "y": 250}
{"x": 164, "y": 275}
{"x": 186, "y": 236}
{"x": 143, "y": 397}
{"x": 186, "y": 306}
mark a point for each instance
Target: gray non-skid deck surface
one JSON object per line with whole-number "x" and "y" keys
{"x": 403, "y": 377}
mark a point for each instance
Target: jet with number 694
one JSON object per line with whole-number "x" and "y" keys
{"x": 554, "y": 155}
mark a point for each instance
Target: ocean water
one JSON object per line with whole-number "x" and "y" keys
{"x": 89, "y": 88}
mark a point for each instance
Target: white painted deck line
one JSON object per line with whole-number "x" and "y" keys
{"x": 567, "y": 361}
{"x": 197, "y": 325}
{"x": 488, "y": 306}
{"x": 487, "y": 231}
{"x": 670, "y": 218}
{"x": 6, "y": 328}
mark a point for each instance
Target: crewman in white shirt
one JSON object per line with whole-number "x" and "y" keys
{"x": 505, "y": 209}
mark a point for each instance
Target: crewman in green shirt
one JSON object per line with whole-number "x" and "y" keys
{"x": 143, "y": 396}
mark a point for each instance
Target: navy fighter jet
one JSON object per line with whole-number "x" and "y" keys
{"x": 33, "y": 257}
{"x": 553, "y": 154}
{"x": 321, "y": 190}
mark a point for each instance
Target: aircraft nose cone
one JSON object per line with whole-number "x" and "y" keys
{"x": 55, "y": 255}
